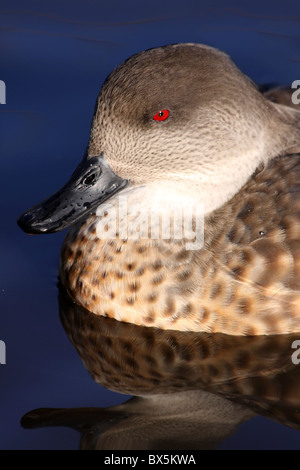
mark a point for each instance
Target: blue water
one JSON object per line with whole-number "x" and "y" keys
{"x": 54, "y": 56}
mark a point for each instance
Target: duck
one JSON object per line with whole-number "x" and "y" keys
{"x": 185, "y": 210}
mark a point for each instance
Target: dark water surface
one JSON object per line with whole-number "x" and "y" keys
{"x": 54, "y": 56}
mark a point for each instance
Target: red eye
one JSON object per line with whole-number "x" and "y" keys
{"x": 161, "y": 115}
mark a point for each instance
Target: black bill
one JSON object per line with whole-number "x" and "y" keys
{"x": 92, "y": 183}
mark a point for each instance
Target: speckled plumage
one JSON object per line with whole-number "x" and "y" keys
{"x": 257, "y": 372}
{"x": 190, "y": 390}
{"x": 244, "y": 281}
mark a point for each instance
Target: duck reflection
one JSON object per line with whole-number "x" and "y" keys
{"x": 191, "y": 390}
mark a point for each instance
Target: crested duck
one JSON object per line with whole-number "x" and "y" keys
{"x": 176, "y": 128}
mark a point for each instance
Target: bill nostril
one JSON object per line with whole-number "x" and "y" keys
{"x": 90, "y": 179}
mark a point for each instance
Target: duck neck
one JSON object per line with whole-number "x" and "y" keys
{"x": 152, "y": 214}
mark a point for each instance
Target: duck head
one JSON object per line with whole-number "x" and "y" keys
{"x": 182, "y": 118}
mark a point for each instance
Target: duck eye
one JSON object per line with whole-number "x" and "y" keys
{"x": 161, "y": 115}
